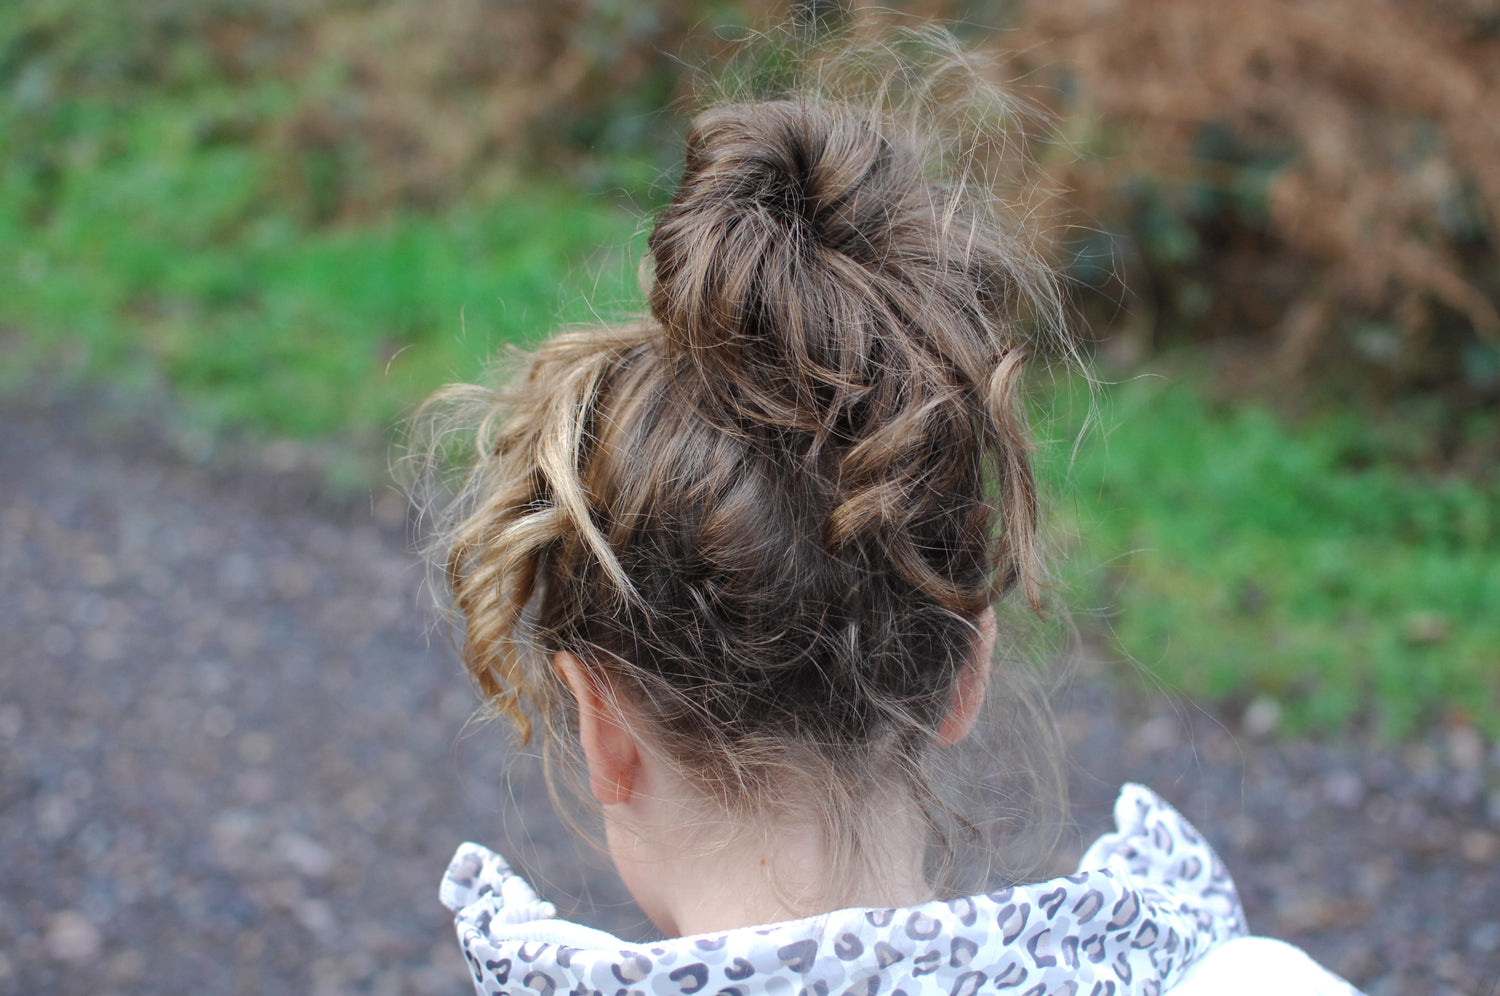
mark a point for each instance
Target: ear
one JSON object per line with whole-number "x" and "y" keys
{"x": 970, "y": 683}
{"x": 613, "y": 756}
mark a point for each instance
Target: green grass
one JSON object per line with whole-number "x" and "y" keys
{"x": 1234, "y": 555}
{"x": 293, "y": 331}
{"x": 304, "y": 334}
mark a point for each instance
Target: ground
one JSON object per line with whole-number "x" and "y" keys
{"x": 235, "y": 753}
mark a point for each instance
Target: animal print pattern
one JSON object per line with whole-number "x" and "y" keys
{"x": 1149, "y": 900}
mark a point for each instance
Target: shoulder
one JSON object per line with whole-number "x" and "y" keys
{"x": 1254, "y": 966}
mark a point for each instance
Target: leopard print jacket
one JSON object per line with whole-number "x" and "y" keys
{"x": 1149, "y": 901}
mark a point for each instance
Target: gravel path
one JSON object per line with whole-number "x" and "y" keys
{"x": 232, "y": 760}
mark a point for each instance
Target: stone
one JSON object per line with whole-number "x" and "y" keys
{"x": 71, "y": 937}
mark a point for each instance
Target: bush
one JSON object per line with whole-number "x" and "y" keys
{"x": 1319, "y": 180}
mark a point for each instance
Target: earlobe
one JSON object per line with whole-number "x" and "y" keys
{"x": 970, "y": 683}
{"x": 609, "y": 748}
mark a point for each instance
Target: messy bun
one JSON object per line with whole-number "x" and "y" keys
{"x": 821, "y": 286}
{"x": 772, "y": 513}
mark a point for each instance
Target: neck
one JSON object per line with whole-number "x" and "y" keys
{"x": 695, "y": 874}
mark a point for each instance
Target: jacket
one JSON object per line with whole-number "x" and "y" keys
{"x": 1151, "y": 910}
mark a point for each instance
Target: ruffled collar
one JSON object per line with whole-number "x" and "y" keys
{"x": 1148, "y": 901}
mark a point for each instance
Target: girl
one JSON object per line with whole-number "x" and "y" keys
{"x": 742, "y": 556}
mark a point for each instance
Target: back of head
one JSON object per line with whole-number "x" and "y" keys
{"x": 772, "y": 513}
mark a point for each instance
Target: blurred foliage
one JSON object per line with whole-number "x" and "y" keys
{"x": 366, "y": 107}
{"x": 1317, "y": 180}
{"x": 302, "y": 215}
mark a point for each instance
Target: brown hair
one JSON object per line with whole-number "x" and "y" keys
{"x": 773, "y": 512}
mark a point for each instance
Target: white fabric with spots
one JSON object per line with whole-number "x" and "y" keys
{"x": 1151, "y": 909}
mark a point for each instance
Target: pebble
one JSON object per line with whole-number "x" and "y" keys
{"x": 1485, "y": 937}
{"x": 1465, "y": 748}
{"x": 71, "y": 937}
{"x": 11, "y": 723}
{"x": 1480, "y": 847}
{"x": 1261, "y": 716}
{"x": 55, "y": 815}
{"x": 304, "y": 854}
{"x": 1344, "y": 789}
{"x": 1158, "y": 734}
